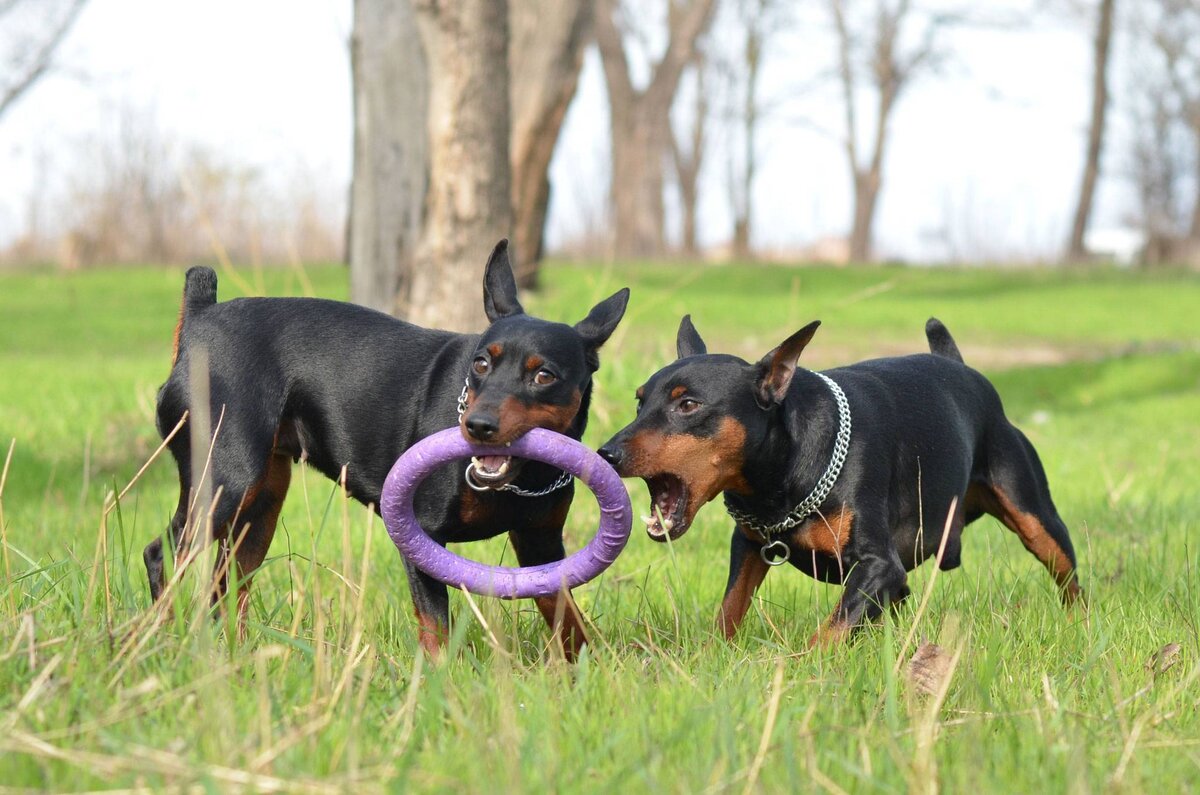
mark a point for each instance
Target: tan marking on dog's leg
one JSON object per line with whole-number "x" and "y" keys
{"x": 431, "y": 634}
{"x": 738, "y": 598}
{"x": 832, "y": 633}
{"x": 1038, "y": 540}
{"x": 564, "y": 619}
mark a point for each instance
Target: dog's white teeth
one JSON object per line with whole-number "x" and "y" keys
{"x": 481, "y": 466}
{"x": 668, "y": 524}
{"x": 649, "y": 520}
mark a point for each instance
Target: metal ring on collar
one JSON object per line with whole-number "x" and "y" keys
{"x": 765, "y": 553}
{"x": 471, "y": 481}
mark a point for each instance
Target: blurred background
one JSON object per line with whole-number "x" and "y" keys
{"x": 405, "y": 137}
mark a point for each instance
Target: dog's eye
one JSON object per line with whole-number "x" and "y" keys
{"x": 544, "y": 378}
{"x": 687, "y": 405}
{"x": 481, "y": 366}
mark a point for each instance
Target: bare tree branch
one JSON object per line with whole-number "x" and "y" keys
{"x": 43, "y": 57}
{"x": 892, "y": 61}
{"x": 1102, "y": 46}
{"x": 640, "y": 122}
{"x": 612, "y": 54}
{"x": 846, "y": 76}
{"x": 686, "y": 25}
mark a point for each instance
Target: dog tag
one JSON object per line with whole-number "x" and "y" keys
{"x": 767, "y": 552}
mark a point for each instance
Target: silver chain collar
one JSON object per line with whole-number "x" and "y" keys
{"x": 564, "y": 478}
{"x": 805, "y": 509}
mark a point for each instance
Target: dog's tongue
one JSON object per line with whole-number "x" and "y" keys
{"x": 492, "y": 463}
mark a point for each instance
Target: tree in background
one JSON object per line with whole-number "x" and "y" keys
{"x": 688, "y": 155}
{"x": 758, "y": 21}
{"x": 445, "y": 125}
{"x": 33, "y": 31}
{"x": 640, "y": 119}
{"x": 545, "y": 56}
{"x": 432, "y": 178}
{"x": 1165, "y": 107}
{"x": 468, "y": 202}
{"x": 1101, "y": 49}
{"x": 882, "y": 46}
{"x": 387, "y": 194}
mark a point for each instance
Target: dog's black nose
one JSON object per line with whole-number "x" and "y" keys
{"x": 611, "y": 454}
{"x": 482, "y": 426}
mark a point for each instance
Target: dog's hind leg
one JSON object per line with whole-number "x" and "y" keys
{"x": 1019, "y": 496}
{"x": 169, "y": 414}
{"x": 238, "y": 469}
{"x": 250, "y": 543}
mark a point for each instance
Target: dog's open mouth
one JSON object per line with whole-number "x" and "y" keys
{"x": 668, "y": 507}
{"x": 494, "y": 471}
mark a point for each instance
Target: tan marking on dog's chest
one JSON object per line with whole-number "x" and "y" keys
{"x": 829, "y": 534}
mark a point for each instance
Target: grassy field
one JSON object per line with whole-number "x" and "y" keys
{"x": 1101, "y": 369}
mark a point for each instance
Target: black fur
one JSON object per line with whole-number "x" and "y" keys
{"x": 927, "y": 431}
{"x": 349, "y": 388}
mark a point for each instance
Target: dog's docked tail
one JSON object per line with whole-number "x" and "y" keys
{"x": 940, "y": 341}
{"x": 199, "y": 291}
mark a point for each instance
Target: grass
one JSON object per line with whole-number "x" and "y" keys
{"x": 1101, "y": 369}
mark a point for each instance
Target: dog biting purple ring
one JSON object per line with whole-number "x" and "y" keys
{"x": 396, "y": 506}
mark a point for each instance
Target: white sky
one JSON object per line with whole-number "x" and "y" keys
{"x": 988, "y": 153}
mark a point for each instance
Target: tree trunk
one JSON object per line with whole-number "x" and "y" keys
{"x": 1194, "y": 226}
{"x": 387, "y": 195}
{"x": 741, "y": 224}
{"x": 689, "y": 197}
{"x": 639, "y": 142}
{"x": 545, "y": 55}
{"x": 866, "y": 198}
{"x": 1091, "y": 169}
{"x": 469, "y": 201}
{"x": 640, "y": 123}
{"x": 687, "y": 165}
{"x": 869, "y": 180}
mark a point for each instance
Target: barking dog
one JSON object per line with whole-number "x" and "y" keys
{"x": 844, "y": 474}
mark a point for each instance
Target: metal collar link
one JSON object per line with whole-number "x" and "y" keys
{"x": 841, "y": 447}
{"x": 564, "y": 478}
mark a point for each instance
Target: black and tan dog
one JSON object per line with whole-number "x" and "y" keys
{"x": 848, "y": 475}
{"x": 349, "y": 389}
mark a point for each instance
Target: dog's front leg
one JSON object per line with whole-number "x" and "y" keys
{"x": 535, "y": 547}
{"x": 432, "y": 604}
{"x": 872, "y": 583}
{"x": 746, "y": 572}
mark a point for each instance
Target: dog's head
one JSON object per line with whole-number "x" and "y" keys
{"x": 527, "y": 372}
{"x": 699, "y": 421}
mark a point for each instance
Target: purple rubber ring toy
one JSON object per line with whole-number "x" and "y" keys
{"x": 616, "y": 514}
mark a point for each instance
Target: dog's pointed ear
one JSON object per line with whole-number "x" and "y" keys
{"x": 499, "y": 286}
{"x": 687, "y": 340}
{"x": 775, "y": 370}
{"x": 600, "y": 323}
